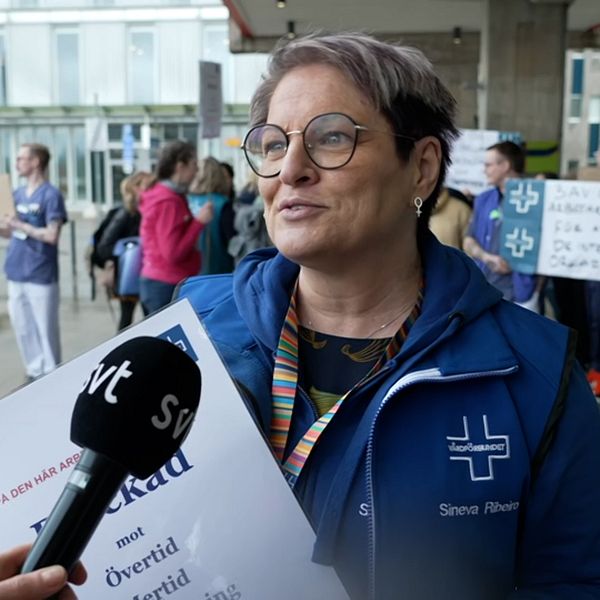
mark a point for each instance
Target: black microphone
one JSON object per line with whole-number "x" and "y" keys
{"x": 133, "y": 413}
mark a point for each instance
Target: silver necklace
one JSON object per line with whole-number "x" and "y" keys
{"x": 377, "y": 329}
{"x": 382, "y": 327}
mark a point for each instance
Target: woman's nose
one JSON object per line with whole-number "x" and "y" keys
{"x": 297, "y": 165}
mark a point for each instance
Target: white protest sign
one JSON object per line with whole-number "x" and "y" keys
{"x": 552, "y": 228}
{"x": 7, "y": 203}
{"x": 570, "y": 244}
{"x": 466, "y": 173}
{"x": 96, "y": 134}
{"x": 217, "y": 522}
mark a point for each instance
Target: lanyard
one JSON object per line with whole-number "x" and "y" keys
{"x": 285, "y": 383}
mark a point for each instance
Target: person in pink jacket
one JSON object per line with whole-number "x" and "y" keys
{"x": 168, "y": 230}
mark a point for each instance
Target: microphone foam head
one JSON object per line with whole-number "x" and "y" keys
{"x": 138, "y": 404}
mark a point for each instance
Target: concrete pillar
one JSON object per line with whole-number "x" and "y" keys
{"x": 521, "y": 67}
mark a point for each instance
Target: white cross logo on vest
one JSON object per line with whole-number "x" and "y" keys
{"x": 479, "y": 449}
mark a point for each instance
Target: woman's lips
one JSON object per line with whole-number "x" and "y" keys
{"x": 299, "y": 209}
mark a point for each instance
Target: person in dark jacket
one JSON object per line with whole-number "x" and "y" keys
{"x": 442, "y": 441}
{"x": 125, "y": 223}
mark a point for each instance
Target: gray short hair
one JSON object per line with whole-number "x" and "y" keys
{"x": 398, "y": 80}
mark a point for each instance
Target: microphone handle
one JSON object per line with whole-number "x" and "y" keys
{"x": 88, "y": 493}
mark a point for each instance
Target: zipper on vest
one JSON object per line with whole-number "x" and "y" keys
{"x": 424, "y": 376}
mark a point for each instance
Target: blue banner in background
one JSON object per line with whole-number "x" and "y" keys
{"x": 521, "y": 232}
{"x": 128, "y": 141}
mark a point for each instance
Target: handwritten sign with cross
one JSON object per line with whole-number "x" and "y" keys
{"x": 552, "y": 228}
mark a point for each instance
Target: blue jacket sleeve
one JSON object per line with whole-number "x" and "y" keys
{"x": 523, "y": 286}
{"x": 559, "y": 554}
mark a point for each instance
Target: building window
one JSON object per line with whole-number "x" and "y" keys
{"x": 5, "y": 146}
{"x": 3, "y": 95}
{"x": 594, "y": 143}
{"x": 80, "y": 173}
{"x": 67, "y": 67}
{"x": 594, "y": 110}
{"x": 142, "y": 66}
{"x": 171, "y": 131}
{"x": 115, "y": 132}
{"x": 576, "y": 95}
{"x": 594, "y": 132}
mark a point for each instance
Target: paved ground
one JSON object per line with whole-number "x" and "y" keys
{"x": 84, "y": 323}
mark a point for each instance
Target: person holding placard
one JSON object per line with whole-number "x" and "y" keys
{"x": 37, "y": 585}
{"x": 442, "y": 442}
{"x": 31, "y": 264}
{"x": 503, "y": 161}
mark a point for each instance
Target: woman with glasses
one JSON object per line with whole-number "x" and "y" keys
{"x": 442, "y": 442}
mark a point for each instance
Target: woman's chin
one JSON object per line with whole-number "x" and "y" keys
{"x": 297, "y": 248}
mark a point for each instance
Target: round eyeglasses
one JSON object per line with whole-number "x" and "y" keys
{"x": 329, "y": 140}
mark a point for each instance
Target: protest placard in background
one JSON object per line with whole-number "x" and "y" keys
{"x": 218, "y": 521}
{"x": 7, "y": 204}
{"x": 552, "y": 228}
{"x": 466, "y": 173}
{"x": 210, "y": 112}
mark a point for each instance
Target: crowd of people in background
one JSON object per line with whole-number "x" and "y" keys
{"x": 573, "y": 302}
{"x": 187, "y": 219}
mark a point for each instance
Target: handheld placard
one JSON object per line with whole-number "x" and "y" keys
{"x": 132, "y": 415}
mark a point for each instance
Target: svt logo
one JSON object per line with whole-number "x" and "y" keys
{"x": 479, "y": 449}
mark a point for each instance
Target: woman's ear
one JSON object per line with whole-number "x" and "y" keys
{"x": 428, "y": 157}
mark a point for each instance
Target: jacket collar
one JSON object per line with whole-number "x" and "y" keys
{"x": 456, "y": 298}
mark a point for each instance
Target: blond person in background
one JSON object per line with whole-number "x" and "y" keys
{"x": 213, "y": 185}
{"x": 125, "y": 223}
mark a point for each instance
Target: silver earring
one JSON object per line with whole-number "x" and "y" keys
{"x": 418, "y": 201}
